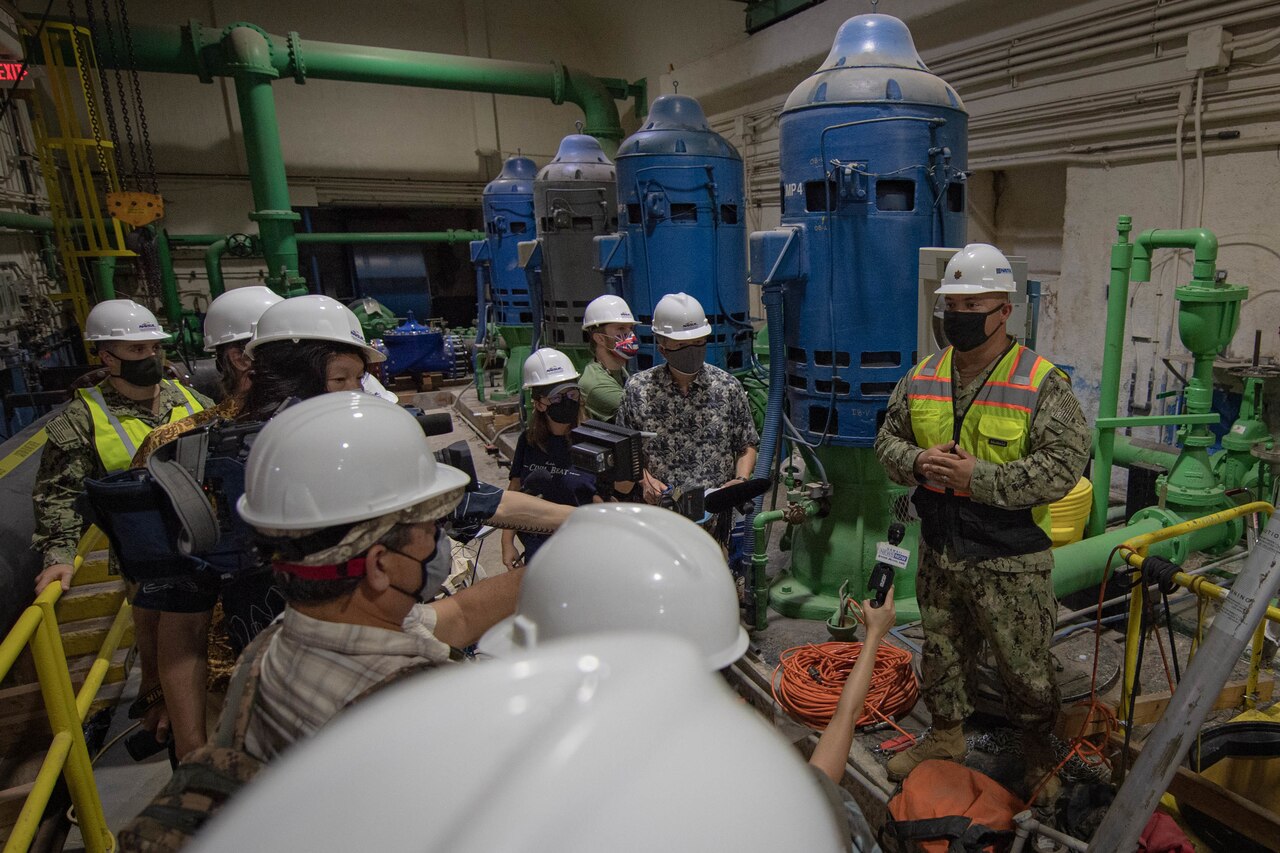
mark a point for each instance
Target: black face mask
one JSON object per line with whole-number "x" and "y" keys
{"x": 142, "y": 372}
{"x": 435, "y": 571}
{"x": 563, "y": 412}
{"x": 687, "y": 360}
{"x": 966, "y": 330}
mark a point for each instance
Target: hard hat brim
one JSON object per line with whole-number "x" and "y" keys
{"x": 971, "y": 289}
{"x": 449, "y": 483}
{"x": 212, "y": 345}
{"x": 132, "y": 337}
{"x": 372, "y": 355}
{"x": 685, "y": 334}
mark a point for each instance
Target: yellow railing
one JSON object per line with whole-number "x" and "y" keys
{"x": 68, "y": 755}
{"x": 1133, "y": 552}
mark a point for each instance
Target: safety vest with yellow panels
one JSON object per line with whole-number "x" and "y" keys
{"x": 117, "y": 438}
{"x": 996, "y": 428}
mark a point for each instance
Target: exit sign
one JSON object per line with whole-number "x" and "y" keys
{"x": 11, "y": 71}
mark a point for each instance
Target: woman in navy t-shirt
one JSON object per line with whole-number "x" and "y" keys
{"x": 542, "y": 465}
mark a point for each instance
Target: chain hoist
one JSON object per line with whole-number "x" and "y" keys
{"x": 82, "y": 63}
{"x": 145, "y": 132}
{"x": 110, "y": 38}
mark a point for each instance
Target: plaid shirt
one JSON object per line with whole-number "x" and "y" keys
{"x": 313, "y": 669}
{"x": 699, "y": 435}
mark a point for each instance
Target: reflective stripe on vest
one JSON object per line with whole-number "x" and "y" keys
{"x": 997, "y": 425}
{"x": 116, "y": 439}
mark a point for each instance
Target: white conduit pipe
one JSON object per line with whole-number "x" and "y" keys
{"x": 1138, "y": 35}
{"x": 1036, "y": 40}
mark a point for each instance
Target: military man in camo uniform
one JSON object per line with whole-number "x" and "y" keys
{"x": 990, "y": 434}
{"x": 704, "y": 432}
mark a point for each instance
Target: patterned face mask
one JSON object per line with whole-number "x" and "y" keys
{"x": 627, "y": 345}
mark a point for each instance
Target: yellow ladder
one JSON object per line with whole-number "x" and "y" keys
{"x": 67, "y": 156}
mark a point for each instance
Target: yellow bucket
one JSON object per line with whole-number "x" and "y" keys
{"x": 1068, "y": 515}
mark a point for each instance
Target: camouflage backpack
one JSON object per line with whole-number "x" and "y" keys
{"x": 209, "y": 776}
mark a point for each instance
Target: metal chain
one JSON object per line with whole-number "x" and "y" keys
{"x": 123, "y": 8}
{"x": 124, "y": 102}
{"x": 82, "y": 62}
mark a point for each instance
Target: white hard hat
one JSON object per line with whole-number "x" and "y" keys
{"x": 680, "y": 317}
{"x": 232, "y": 316}
{"x": 978, "y": 268}
{"x": 606, "y": 309}
{"x": 548, "y": 366}
{"x": 337, "y": 459}
{"x": 626, "y": 567}
{"x": 619, "y": 743}
{"x": 122, "y": 320}
{"x": 312, "y": 318}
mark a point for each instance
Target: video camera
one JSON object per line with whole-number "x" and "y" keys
{"x": 610, "y": 452}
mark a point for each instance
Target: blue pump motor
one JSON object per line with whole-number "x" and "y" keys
{"x": 682, "y": 227}
{"x": 873, "y": 150}
{"x": 508, "y": 219}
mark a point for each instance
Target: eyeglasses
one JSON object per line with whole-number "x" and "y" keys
{"x": 568, "y": 394}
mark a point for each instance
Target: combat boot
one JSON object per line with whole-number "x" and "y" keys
{"x": 1040, "y": 760}
{"x": 945, "y": 741}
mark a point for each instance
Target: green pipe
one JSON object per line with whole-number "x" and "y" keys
{"x": 1126, "y": 453}
{"x": 1109, "y": 390}
{"x": 1201, "y": 240}
{"x": 274, "y": 213}
{"x": 213, "y": 266}
{"x": 49, "y": 252}
{"x": 759, "y": 592}
{"x": 193, "y": 239}
{"x": 168, "y": 280}
{"x": 25, "y": 221}
{"x": 364, "y": 237}
{"x": 106, "y": 276}
{"x": 195, "y": 49}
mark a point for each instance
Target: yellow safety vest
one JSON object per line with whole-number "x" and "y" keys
{"x": 997, "y": 426}
{"x": 116, "y": 439}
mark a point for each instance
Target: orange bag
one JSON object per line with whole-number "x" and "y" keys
{"x": 946, "y": 807}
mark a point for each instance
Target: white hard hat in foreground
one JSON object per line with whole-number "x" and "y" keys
{"x": 337, "y": 459}
{"x": 232, "y": 316}
{"x": 679, "y": 317}
{"x": 619, "y": 743}
{"x": 978, "y": 268}
{"x": 626, "y": 567}
{"x": 312, "y": 318}
{"x": 122, "y": 320}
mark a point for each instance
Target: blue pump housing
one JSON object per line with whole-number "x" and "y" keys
{"x": 873, "y": 149}
{"x": 682, "y": 228}
{"x": 414, "y": 348}
{"x": 508, "y": 219}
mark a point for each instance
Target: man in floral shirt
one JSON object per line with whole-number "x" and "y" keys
{"x": 704, "y": 433}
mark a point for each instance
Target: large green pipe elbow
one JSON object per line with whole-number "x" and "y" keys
{"x": 195, "y": 49}
{"x": 1202, "y": 241}
{"x": 213, "y": 266}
